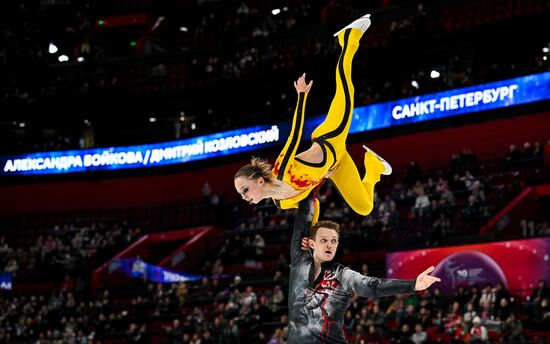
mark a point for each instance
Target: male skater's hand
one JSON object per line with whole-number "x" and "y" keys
{"x": 424, "y": 280}
{"x": 305, "y": 243}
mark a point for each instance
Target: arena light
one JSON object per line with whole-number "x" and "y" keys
{"x": 276, "y": 11}
{"x": 152, "y": 119}
{"x": 157, "y": 23}
{"x": 545, "y": 58}
{"x": 414, "y": 84}
{"x": 63, "y": 58}
{"x": 193, "y": 126}
{"x": 184, "y": 29}
{"x": 434, "y": 74}
{"x": 52, "y": 48}
{"x": 80, "y": 59}
{"x": 22, "y": 125}
{"x": 545, "y": 50}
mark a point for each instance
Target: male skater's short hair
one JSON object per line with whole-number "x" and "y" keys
{"x": 325, "y": 224}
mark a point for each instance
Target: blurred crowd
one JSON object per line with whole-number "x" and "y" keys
{"x": 236, "y": 311}
{"x": 242, "y": 295}
{"x": 67, "y": 249}
{"x": 225, "y": 49}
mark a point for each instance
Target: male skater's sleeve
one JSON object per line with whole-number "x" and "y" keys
{"x": 302, "y": 226}
{"x": 375, "y": 287}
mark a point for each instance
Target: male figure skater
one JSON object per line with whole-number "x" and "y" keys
{"x": 320, "y": 289}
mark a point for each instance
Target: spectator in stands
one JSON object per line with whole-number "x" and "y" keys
{"x": 527, "y": 152}
{"x": 487, "y": 295}
{"x": 456, "y": 184}
{"x": 259, "y": 245}
{"x": 231, "y": 333}
{"x": 538, "y": 153}
{"x": 474, "y": 295}
{"x": 174, "y": 332}
{"x": 453, "y": 317}
{"x": 182, "y": 292}
{"x": 447, "y": 198}
{"x": 12, "y": 267}
{"x": 421, "y": 204}
{"x": 527, "y": 228}
{"x": 396, "y": 309}
{"x": 4, "y": 247}
{"x": 477, "y": 191}
{"x": 540, "y": 292}
{"x": 513, "y": 155}
{"x": 403, "y": 335}
{"x": 377, "y": 318}
{"x": 500, "y": 292}
{"x": 278, "y": 299}
{"x": 419, "y": 336}
{"x": 503, "y": 310}
{"x": 349, "y": 322}
{"x": 461, "y": 295}
{"x": 248, "y": 298}
{"x": 460, "y": 331}
{"x": 468, "y": 179}
{"x": 472, "y": 210}
{"x": 436, "y": 299}
{"x": 543, "y": 229}
{"x": 469, "y": 314}
{"x": 386, "y": 206}
{"x": 136, "y": 334}
{"x": 478, "y": 332}
{"x": 512, "y": 330}
{"x": 277, "y": 337}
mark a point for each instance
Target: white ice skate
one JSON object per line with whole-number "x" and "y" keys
{"x": 387, "y": 166}
{"x": 361, "y": 24}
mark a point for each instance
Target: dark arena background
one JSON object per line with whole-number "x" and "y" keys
{"x": 123, "y": 122}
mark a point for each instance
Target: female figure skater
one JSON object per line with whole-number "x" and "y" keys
{"x": 294, "y": 176}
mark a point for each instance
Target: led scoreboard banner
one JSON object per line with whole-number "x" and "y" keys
{"x": 468, "y": 100}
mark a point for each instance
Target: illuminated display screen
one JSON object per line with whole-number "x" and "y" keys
{"x": 469, "y": 100}
{"x": 5, "y": 281}
{"x": 136, "y": 268}
{"x": 518, "y": 264}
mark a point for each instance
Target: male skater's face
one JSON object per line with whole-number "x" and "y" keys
{"x": 324, "y": 244}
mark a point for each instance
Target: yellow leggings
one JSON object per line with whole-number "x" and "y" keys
{"x": 332, "y": 133}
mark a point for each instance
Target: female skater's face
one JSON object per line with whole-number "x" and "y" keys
{"x": 324, "y": 244}
{"x": 250, "y": 189}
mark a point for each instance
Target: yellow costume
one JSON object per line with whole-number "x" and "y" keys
{"x": 331, "y": 136}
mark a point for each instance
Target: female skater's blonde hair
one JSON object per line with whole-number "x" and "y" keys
{"x": 257, "y": 168}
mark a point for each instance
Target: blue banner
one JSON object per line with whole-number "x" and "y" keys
{"x": 137, "y": 268}
{"x": 469, "y": 100}
{"x": 5, "y": 281}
